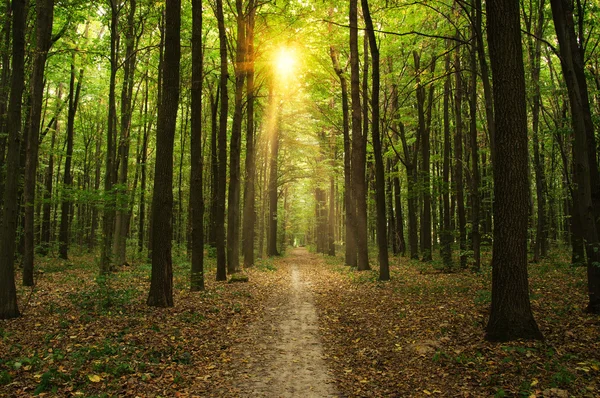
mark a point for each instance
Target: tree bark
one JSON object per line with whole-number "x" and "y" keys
{"x": 511, "y": 317}
{"x": 359, "y": 147}
{"x": 44, "y": 17}
{"x": 384, "y": 266}
{"x": 233, "y": 199}
{"x": 249, "y": 212}
{"x": 196, "y": 189}
{"x": 8, "y": 228}
{"x": 222, "y": 147}
{"x": 161, "y": 282}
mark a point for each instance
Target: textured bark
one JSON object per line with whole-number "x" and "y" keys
{"x": 475, "y": 174}
{"x": 196, "y": 190}
{"x": 222, "y": 148}
{"x": 359, "y": 147}
{"x": 350, "y": 246}
{"x": 511, "y": 317}
{"x": 384, "y": 266}
{"x": 446, "y": 235}
{"x": 161, "y": 281}
{"x": 122, "y": 211}
{"x": 66, "y": 203}
{"x": 458, "y": 162}
{"x": 249, "y": 215}
{"x": 44, "y": 17}
{"x": 8, "y": 228}
{"x": 109, "y": 176}
{"x": 233, "y": 198}
{"x": 586, "y": 195}
{"x": 5, "y": 35}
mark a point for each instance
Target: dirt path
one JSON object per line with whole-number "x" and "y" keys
{"x": 284, "y": 355}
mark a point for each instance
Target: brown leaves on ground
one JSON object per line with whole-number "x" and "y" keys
{"x": 419, "y": 335}
{"x": 422, "y": 334}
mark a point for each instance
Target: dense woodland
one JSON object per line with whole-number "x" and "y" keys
{"x": 133, "y": 130}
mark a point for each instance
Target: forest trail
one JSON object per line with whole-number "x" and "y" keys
{"x": 284, "y": 354}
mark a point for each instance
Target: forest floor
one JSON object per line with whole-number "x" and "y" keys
{"x": 304, "y": 325}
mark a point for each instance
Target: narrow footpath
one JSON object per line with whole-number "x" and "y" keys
{"x": 284, "y": 355}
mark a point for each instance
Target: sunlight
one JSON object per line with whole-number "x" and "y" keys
{"x": 285, "y": 62}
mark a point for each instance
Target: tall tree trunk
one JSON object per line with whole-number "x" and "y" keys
{"x": 511, "y": 317}
{"x": 350, "y": 246}
{"x": 161, "y": 281}
{"x": 458, "y": 162}
{"x": 44, "y": 17}
{"x": 122, "y": 211}
{"x": 586, "y": 195}
{"x": 249, "y": 213}
{"x": 67, "y": 203}
{"x": 446, "y": 235}
{"x": 8, "y": 228}
{"x": 109, "y": 177}
{"x": 222, "y": 148}
{"x": 196, "y": 189}
{"x": 5, "y": 35}
{"x": 143, "y": 166}
{"x": 359, "y": 147}
{"x": 475, "y": 175}
{"x": 272, "y": 219}
{"x": 214, "y": 165}
{"x": 384, "y": 267}
{"x": 233, "y": 199}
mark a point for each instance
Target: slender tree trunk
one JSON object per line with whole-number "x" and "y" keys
{"x": 196, "y": 189}
{"x": 161, "y": 281}
{"x": 121, "y": 225}
{"x": 511, "y": 317}
{"x": 273, "y": 177}
{"x": 67, "y": 203}
{"x": 359, "y": 147}
{"x": 44, "y": 17}
{"x": 475, "y": 175}
{"x": 446, "y": 235}
{"x": 8, "y": 228}
{"x": 4, "y": 90}
{"x": 109, "y": 177}
{"x": 458, "y": 162}
{"x": 384, "y": 267}
{"x": 143, "y": 166}
{"x": 222, "y": 148}
{"x": 214, "y": 165}
{"x": 350, "y": 234}
{"x": 249, "y": 212}
{"x": 233, "y": 199}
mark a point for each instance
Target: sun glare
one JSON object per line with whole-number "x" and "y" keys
{"x": 285, "y": 61}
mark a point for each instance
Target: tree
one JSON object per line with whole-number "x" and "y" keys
{"x": 161, "y": 287}
{"x": 586, "y": 196}
{"x": 8, "y": 229}
{"x": 384, "y": 267}
{"x": 222, "y": 147}
{"x": 44, "y": 18}
{"x": 359, "y": 147}
{"x": 196, "y": 191}
{"x": 511, "y": 317}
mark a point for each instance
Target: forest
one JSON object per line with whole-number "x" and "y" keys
{"x": 300, "y": 197}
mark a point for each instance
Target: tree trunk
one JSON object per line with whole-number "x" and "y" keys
{"x": 44, "y": 17}
{"x": 586, "y": 195}
{"x": 446, "y": 235}
{"x": 249, "y": 213}
{"x": 222, "y": 148}
{"x": 122, "y": 211}
{"x": 475, "y": 177}
{"x": 350, "y": 246}
{"x": 196, "y": 189}
{"x": 359, "y": 147}
{"x": 384, "y": 267}
{"x": 272, "y": 223}
{"x": 8, "y": 228}
{"x": 511, "y": 317}
{"x": 161, "y": 282}
{"x": 458, "y": 162}
{"x": 233, "y": 199}
{"x": 66, "y": 205}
